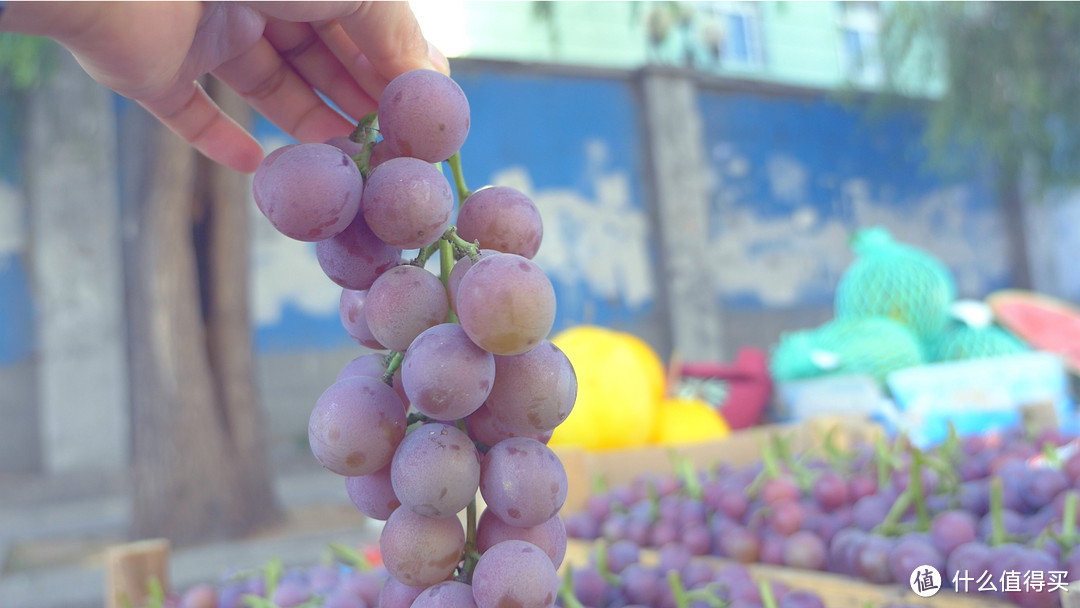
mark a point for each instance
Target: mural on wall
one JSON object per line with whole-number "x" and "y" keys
{"x": 792, "y": 178}
{"x": 569, "y": 144}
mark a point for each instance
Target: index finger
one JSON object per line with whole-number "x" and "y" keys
{"x": 389, "y": 36}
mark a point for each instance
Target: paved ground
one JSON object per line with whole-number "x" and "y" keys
{"x": 53, "y": 531}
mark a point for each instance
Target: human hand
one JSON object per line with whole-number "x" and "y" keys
{"x": 277, "y": 55}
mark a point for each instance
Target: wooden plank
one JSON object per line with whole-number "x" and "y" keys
{"x": 834, "y": 590}
{"x": 130, "y": 568}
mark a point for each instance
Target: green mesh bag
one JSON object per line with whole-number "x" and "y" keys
{"x": 971, "y": 334}
{"x": 890, "y": 279}
{"x": 875, "y": 346}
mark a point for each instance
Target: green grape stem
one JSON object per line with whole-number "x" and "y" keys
{"x": 392, "y": 365}
{"x": 768, "y": 600}
{"x": 366, "y": 132}
{"x": 917, "y": 493}
{"x": 566, "y": 591}
{"x": 678, "y": 592}
{"x": 460, "y": 245}
{"x": 463, "y": 191}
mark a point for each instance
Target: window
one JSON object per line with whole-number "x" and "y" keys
{"x": 859, "y": 24}
{"x": 742, "y": 47}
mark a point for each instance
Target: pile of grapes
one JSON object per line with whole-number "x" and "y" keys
{"x": 995, "y": 515}
{"x": 465, "y": 389}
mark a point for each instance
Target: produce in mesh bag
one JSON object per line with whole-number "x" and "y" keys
{"x": 971, "y": 334}
{"x": 901, "y": 282}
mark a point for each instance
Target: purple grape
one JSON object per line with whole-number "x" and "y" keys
{"x": 972, "y": 558}
{"x": 697, "y": 538}
{"x": 673, "y": 556}
{"x": 199, "y": 596}
{"x": 772, "y": 549}
{"x": 373, "y": 365}
{"x": 582, "y": 526}
{"x": 515, "y": 573}
{"x": 804, "y": 550}
{"x": 435, "y": 470}
{"x": 323, "y": 579}
{"x": 424, "y": 114}
{"x": 872, "y": 560}
{"x": 950, "y": 529}
{"x": 356, "y": 425}
{"x": 351, "y": 310}
{"x": 620, "y": 555}
{"x": 910, "y": 553}
{"x": 461, "y": 267}
{"x": 830, "y": 491}
{"x": 447, "y": 594}
{"x": 290, "y": 594}
{"x": 420, "y": 551}
{"x": 486, "y": 429}
{"x": 345, "y": 144}
{"x": 523, "y": 482}
{"x": 869, "y": 511}
{"x": 780, "y": 488}
{"x": 506, "y": 304}
{"x": 589, "y": 587}
{"x": 395, "y": 594}
{"x": 445, "y": 375}
{"x": 800, "y": 599}
{"x": 356, "y": 257}
{"x": 373, "y": 494}
{"x": 309, "y": 192}
{"x": 533, "y": 392}
{"x": 407, "y": 203}
{"x": 664, "y": 532}
{"x": 365, "y": 585}
{"x": 785, "y": 516}
{"x": 1042, "y": 486}
{"x": 550, "y": 536}
{"x": 740, "y": 544}
{"x": 641, "y": 584}
{"x": 503, "y": 219}
{"x": 861, "y": 486}
{"x": 402, "y": 303}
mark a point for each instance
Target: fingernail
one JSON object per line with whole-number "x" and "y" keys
{"x": 438, "y": 60}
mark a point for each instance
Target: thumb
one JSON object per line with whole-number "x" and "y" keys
{"x": 389, "y": 36}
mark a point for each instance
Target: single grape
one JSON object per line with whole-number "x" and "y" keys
{"x": 589, "y": 587}
{"x": 911, "y": 552}
{"x": 403, "y": 302}
{"x": 345, "y": 144}
{"x": 395, "y": 594}
{"x": 780, "y": 488}
{"x": 620, "y": 554}
{"x": 380, "y": 153}
{"x": 534, "y": 391}
{"x": 830, "y": 491}
{"x": 445, "y": 375}
{"x": 351, "y": 310}
{"x": 420, "y": 551}
{"x": 436, "y": 470}
{"x": 309, "y": 192}
{"x": 356, "y": 257}
{"x": 872, "y": 560}
{"x": 373, "y": 494}
{"x": 486, "y": 429}
{"x": 869, "y": 511}
{"x": 356, "y": 425}
{"x": 550, "y": 536}
{"x": 950, "y": 529}
{"x": 290, "y": 593}
{"x": 447, "y": 594}
{"x": 1042, "y": 486}
{"x": 523, "y": 482}
{"x": 642, "y": 584}
{"x": 506, "y": 304}
{"x": 366, "y": 585}
{"x": 424, "y": 114}
{"x": 515, "y": 573}
{"x": 408, "y": 203}
{"x": 339, "y": 598}
{"x": 458, "y": 272}
{"x": 740, "y": 544}
{"x": 373, "y": 365}
{"x": 800, "y": 599}
{"x": 786, "y": 516}
{"x": 323, "y": 579}
{"x": 501, "y": 218}
{"x": 199, "y": 596}
{"x": 804, "y": 550}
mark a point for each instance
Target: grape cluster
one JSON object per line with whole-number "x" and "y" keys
{"x": 466, "y": 389}
{"x": 978, "y": 507}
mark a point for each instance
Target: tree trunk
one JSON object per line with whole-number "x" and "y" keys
{"x": 199, "y": 462}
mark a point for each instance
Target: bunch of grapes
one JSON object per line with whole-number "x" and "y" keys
{"x": 973, "y": 507}
{"x": 467, "y": 389}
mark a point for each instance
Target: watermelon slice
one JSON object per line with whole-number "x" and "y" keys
{"x": 1043, "y": 322}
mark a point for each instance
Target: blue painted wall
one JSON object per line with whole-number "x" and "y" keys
{"x": 793, "y": 177}
{"x": 16, "y": 302}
